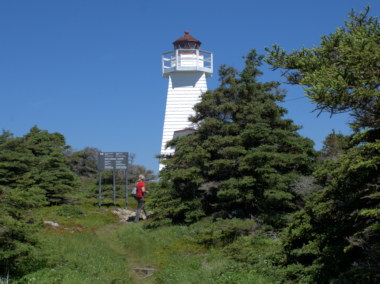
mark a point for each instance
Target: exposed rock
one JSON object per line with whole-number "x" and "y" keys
{"x": 51, "y": 223}
{"x": 126, "y": 215}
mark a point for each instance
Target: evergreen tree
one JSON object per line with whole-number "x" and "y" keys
{"x": 342, "y": 73}
{"x": 83, "y": 163}
{"x": 334, "y": 146}
{"x": 243, "y": 158}
{"x": 336, "y": 235}
{"x": 36, "y": 161}
{"x": 17, "y": 244}
{"x": 33, "y": 173}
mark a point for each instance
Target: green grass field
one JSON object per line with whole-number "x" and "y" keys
{"x": 90, "y": 245}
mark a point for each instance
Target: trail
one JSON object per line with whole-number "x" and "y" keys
{"x": 109, "y": 235}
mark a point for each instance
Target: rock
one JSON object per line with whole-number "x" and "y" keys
{"x": 126, "y": 215}
{"x": 51, "y": 223}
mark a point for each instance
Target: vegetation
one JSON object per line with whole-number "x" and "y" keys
{"x": 33, "y": 173}
{"x": 35, "y": 163}
{"x": 243, "y": 159}
{"x": 336, "y": 235}
{"x": 94, "y": 247}
{"x": 84, "y": 162}
{"x": 245, "y": 199}
{"x": 342, "y": 73}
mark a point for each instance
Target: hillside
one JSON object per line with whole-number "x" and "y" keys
{"x": 243, "y": 199}
{"x": 86, "y": 244}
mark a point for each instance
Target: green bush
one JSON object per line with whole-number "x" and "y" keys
{"x": 70, "y": 211}
{"x": 18, "y": 246}
{"x": 261, "y": 251}
{"x": 221, "y": 231}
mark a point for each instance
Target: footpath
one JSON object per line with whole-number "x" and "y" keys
{"x": 141, "y": 272}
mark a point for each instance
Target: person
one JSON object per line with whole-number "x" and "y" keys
{"x": 140, "y": 192}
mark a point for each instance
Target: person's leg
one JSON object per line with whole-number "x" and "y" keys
{"x": 140, "y": 203}
{"x": 146, "y": 213}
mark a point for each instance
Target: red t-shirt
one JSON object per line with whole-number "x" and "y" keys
{"x": 139, "y": 187}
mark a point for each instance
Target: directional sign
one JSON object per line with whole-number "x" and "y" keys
{"x": 113, "y": 160}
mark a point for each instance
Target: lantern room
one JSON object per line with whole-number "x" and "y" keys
{"x": 187, "y": 57}
{"x": 187, "y": 42}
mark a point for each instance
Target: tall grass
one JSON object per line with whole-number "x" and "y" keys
{"x": 80, "y": 258}
{"x": 180, "y": 260}
{"x": 74, "y": 252}
{"x": 90, "y": 246}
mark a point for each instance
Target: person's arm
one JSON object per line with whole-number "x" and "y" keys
{"x": 144, "y": 190}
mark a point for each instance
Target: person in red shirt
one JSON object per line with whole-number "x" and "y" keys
{"x": 140, "y": 192}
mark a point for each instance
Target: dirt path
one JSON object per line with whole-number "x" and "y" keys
{"x": 140, "y": 272}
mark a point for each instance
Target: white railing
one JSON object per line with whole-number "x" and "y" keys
{"x": 187, "y": 60}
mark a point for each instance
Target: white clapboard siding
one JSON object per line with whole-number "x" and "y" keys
{"x": 187, "y": 74}
{"x": 184, "y": 91}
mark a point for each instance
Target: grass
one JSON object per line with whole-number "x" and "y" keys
{"x": 180, "y": 259}
{"x": 73, "y": 252}
{"x": 91, "y": 246}
{"x": 80, "y": 258}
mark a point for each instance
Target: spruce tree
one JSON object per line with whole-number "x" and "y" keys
{"x": 52, "y": 172}
{"x": 243, "y": 159}
{"x": 336, "y": 237}
{"x": 33, "y": 173}
{"x": 37, "y": 162}
{"x": 84, "y": 162}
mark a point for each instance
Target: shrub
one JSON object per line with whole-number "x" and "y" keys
{"x": 221, "y": 231}
{"x": 70, "y": 211}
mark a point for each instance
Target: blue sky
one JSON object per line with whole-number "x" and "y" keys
{"x": 91, "y": 69}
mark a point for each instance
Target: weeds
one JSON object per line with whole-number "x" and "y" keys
{"x": 104, "y": 251}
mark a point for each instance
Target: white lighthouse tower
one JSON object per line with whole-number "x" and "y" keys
{"x": 187, "y": 68}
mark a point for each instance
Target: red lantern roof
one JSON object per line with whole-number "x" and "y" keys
{"x": 187, "y": 42}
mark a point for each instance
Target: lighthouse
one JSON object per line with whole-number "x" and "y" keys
{"x": 187, "y": 68}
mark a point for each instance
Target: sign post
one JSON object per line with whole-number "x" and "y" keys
{"x": 100, "y": 188}
{"x": 114, "y": 188}
{"x": 126, "y": 189}
{"x": 113, "y": 161}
